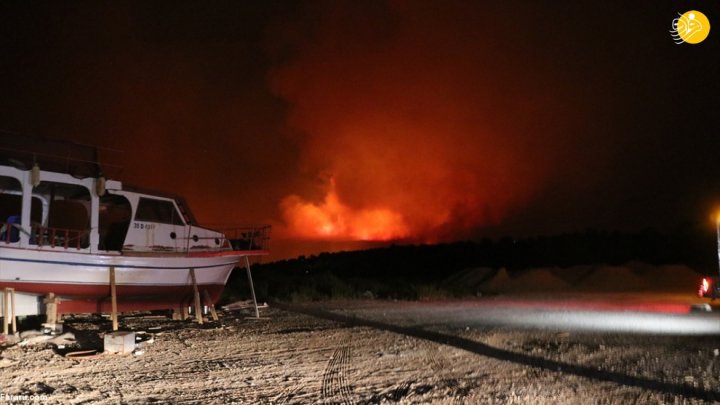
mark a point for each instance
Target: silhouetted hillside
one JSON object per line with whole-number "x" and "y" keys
{"x": 398, "y": 271}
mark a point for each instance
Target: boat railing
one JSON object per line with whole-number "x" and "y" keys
{"x": 9, "y": 232}
{"x": 79, "y": 160}
{"x": 248, "y": 237}
{"x": 59, "y": 237}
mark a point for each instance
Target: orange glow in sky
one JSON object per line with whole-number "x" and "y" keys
{"x": 422, "y": 141}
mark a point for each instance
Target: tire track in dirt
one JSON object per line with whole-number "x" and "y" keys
{"x": 685, "y": 390}
{"x": 335, "y": 388}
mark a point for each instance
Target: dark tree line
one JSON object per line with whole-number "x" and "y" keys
{"x": 396, "y": 267}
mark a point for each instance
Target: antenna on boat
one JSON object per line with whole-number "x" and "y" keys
{"x": 77, "y": 159}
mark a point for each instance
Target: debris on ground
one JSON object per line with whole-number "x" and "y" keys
{"x": 297, "y": 358}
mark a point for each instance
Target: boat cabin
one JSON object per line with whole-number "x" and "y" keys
{"x": 50, "y": 204}
{"x": 51, "y": 210}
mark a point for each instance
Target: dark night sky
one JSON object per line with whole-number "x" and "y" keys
{"x": 379, "y": 120}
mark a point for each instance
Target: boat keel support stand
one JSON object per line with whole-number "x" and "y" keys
{"x": 252, "y": 288}
{"x": 180, "y": 313}
{"x": 210, "y": 305}
{"x": 196, "y": 296}
{"x": 9, "y": 310}
{"x": 113, "y": 299}
{"x": 51, "y": 325}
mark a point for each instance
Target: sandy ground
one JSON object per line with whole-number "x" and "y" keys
{"x": 346, "y": 353}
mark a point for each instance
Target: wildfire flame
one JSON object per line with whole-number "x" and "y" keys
{"x": 332, "y": 219}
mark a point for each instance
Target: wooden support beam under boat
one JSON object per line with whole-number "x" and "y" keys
{"x": 6, "y": 312}
{"x": 51, "y": 303}
{"x": 9, "y": 310}
{"x": 196, "y": 296}
{"x": 12, "y": 310}
{"x": 179, "y": 313}
{"x": 113, "y": 299}
{"x": 252, "y": 287}
{"x": 210, "y": 305}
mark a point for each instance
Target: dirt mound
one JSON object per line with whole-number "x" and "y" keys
{"x": 469, "y": 278}
{"x": 573, "y": 275}
{"x": 500, "y": 283}
{"x": 634, "y": 276}
{"x": 614, "y": 278}
{"x": 528, "y": 280}
{"x": 671, "y": 277}
{"x": 539, "y": 280}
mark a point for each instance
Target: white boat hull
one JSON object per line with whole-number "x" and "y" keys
{"x": 82, "y": 280}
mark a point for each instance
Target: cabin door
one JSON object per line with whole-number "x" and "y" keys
{"x": 160, "y": 224}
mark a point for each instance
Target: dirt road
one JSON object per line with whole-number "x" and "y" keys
{"x": 346, "y": 353}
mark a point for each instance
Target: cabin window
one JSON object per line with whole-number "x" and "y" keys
{"x": 65, "y": 217}
{"x": 160, "y": 211}
{"x": 10, "y": 197}
{"x": 10, "y": 209}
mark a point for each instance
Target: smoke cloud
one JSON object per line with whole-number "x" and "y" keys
{"x": 419, "y": 122}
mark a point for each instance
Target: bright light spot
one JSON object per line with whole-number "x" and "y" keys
{"x": 704, "y": 287}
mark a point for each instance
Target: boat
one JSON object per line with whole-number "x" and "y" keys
{"x": 70, "y": 233}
